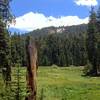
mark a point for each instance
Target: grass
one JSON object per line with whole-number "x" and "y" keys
{"x": 66, "y": 84}
{"x": 54, "y": 83}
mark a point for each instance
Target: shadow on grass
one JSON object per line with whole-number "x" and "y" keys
{"x": 42, "y": 94}
{"x": 90, "y": 75}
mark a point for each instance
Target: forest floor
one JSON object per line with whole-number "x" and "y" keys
{"x": 63, "y": 83}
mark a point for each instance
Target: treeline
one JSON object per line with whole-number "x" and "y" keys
{"x": 62, "y": 49}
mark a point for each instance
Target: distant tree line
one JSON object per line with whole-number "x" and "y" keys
{"x": 61, "y": 49}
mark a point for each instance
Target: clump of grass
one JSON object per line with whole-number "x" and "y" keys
{"x": 55, "y": 66}
{"x": 87, "y": 68}
{"x": 42, "y": 94}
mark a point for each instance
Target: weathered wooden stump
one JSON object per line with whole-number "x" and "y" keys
{"x": 31, "y": 52}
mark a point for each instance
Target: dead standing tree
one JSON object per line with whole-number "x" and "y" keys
{"x": 31, "y": 52}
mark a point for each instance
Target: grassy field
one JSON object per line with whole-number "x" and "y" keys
{"x": 66, "y": 84}
{"x": 54, "y": 83}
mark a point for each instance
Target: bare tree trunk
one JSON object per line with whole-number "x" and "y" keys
{"x": 31, "y": 51}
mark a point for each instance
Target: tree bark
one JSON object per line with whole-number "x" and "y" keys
{"x": 31, "y": 51}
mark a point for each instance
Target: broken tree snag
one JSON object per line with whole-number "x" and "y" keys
{"x": 31, "y": 52}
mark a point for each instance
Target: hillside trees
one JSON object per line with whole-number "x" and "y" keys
{"x": 62, "y": 49}
{"x": 17, "y": 49}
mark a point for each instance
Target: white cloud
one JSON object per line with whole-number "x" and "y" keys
{"x": 86, "y": 2}
{"x": 32, "y": 21}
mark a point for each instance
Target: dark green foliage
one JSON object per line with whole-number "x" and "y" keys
{"x": 18, "y": 84}
{"x": 98, "y": 38}
{"x": 72, "y": 30}
{"x": 17, "y": 89}
{"x": 91, "y": 43}
{"x": 5, "y": 62}
{"x": 62, "y": 49}
{"x": 5, "y": 51}
{"x": 17, "y": 49}
{"x": 5, "y": 10}
{"x": 98, "y": 19}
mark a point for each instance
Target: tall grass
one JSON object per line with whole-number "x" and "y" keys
{"x": 55, "y": 83}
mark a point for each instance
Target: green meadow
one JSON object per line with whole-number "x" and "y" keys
{"x": 56, "y": 83}
{"x": 62, "y": 83}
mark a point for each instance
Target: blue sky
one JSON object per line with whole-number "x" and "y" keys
{"x": 51, "y": 11}
{"x": 48, "y": 7}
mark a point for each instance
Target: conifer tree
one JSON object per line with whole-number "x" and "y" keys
{"x": 5, "y": 51}
{"x": 98, "y": 19}
{"x": 18, "y": 84}
{"x": 91, "y": 43}
{"x": 98, "y": 38}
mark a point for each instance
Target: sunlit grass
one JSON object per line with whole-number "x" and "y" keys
{"x": 62, "y": 83}
{"x": 67, "y": 84}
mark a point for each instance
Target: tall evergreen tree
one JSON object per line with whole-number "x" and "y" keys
{"x": 98, "y": 38}
{"x": 98, "y": 19}
{"x": 5, "y": 51}
{"x": 91, "y": 43}
{"x": 4, "y": 40}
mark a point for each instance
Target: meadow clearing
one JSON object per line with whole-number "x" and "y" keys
{"x": 67, "y": 84}
{"x": 63, "y": 83}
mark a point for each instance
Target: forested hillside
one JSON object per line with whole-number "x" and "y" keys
{"x": 75, "y": 29}
{"x": 62, "y": 46}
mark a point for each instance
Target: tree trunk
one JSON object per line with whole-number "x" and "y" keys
{"x": 31, "y": 52}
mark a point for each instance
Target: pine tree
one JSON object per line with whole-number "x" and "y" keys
{"x": 98, "y": 19}
{"x": 18, "y": 84}
{"x": 5, "y": 51}
{"x": 5, "y": 55}
{"x": 98, "y": 38}
{"x": 5, "y": 63}
{"x": 5, "y": 10}
{"x": 91, "y": 43}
